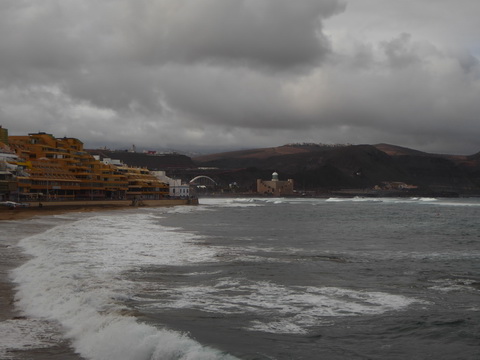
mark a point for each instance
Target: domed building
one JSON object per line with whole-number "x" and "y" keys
{"x": 275, "y": 187}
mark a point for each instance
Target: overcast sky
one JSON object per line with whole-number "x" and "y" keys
{"x": 229, "y": 74}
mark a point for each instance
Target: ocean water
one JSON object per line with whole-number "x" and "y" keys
{"x": 249, "y": 279}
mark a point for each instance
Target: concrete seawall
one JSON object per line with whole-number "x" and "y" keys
{"x": 113, "y": 203}
{"x": 58, "y": 207}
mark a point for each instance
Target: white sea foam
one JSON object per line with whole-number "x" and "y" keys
{"x": 456, "y": 285}
{"x": 457, "y": 202}
{"x": 255, "y": 202}
{"x": 75, "y": 278}
{"x": 355, "y": 199}
{"x": 288, "y": 309}
{"x": 414, "y": 200}
{"x": 230, "y": 202}
{"x": 249, "y": 202}
{"x": 277, "y": 327}
{"x": 25, "y": 334}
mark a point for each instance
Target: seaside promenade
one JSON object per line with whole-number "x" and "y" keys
{"x": 37, "y": 208}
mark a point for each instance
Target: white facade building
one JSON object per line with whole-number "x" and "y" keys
{"x": 108, "y": 161}
{"x": 177, "y": 189}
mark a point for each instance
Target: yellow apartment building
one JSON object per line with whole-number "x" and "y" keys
{"x": 60, "y": 169}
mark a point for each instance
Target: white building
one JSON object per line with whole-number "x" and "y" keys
{"x": 108, "y": 161}
{"x": 177, "y": 189}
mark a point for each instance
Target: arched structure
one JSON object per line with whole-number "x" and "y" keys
{"x": 193, "y": 181}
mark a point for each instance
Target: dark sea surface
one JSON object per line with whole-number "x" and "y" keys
{"x": 248, "y": 279}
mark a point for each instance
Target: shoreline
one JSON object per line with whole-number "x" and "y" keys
{"x": 12, "y": 317}
{"x": 61, "y": 207}
{"x": 11, "y": 256}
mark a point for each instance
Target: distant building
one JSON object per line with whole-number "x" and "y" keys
{"x": 8, "y": 170}
{"x": 177, "y": 189}
{"x": 275, "y": 186}
{"x": 395, "y": 185}
{"x": 108, "y": 161}
{"x": 3, "y": 135}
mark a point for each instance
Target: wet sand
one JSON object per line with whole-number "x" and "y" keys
{"x": 7, "y": 262}
{"x": 55, "y": 208}
{"x": 11, "y": 257}
{"x": 29, "y": 212}
{"x": 13, "y": 227}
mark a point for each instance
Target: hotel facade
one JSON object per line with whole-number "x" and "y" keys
{"x": 42, "y": 167}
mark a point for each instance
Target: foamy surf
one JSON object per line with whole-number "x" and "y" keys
{"x": 22, "y": 334}
{"x": 309, "y": 279}
{"x": 290, "y": 310}
{"x": 74, "y": 278}
{"x": 222, "y": 202}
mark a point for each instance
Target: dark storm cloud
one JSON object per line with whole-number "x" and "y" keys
{"x": 109, "y": 53}
{"x": 270, "y": 33}
{"x": 279, "y": 34}
{"x": 117, "y": 56}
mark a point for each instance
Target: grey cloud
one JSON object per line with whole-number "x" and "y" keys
{"x": 117, "y": 87}
{"x": 237, "y": 97}
{"x": 111, "y": 53}
{"x": 469, "y": 63}
{"x": 398, "y": 51}
{"x": 34, "y": 43}
{"x": 270, "y": 33}
{"x": 236, "y": 73}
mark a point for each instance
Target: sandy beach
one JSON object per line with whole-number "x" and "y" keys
{"x": 54, "y": 208}
{"x": 9, "y": 255}
{"x": 7, "y": 262}
{"x": 12, "y": 229}
{"x": 29, "y": 212}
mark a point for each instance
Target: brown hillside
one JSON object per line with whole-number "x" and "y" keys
{"x": 263, "y": 153}
{"x": 151, "y": 162}
{"x": 394, "y": 150}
